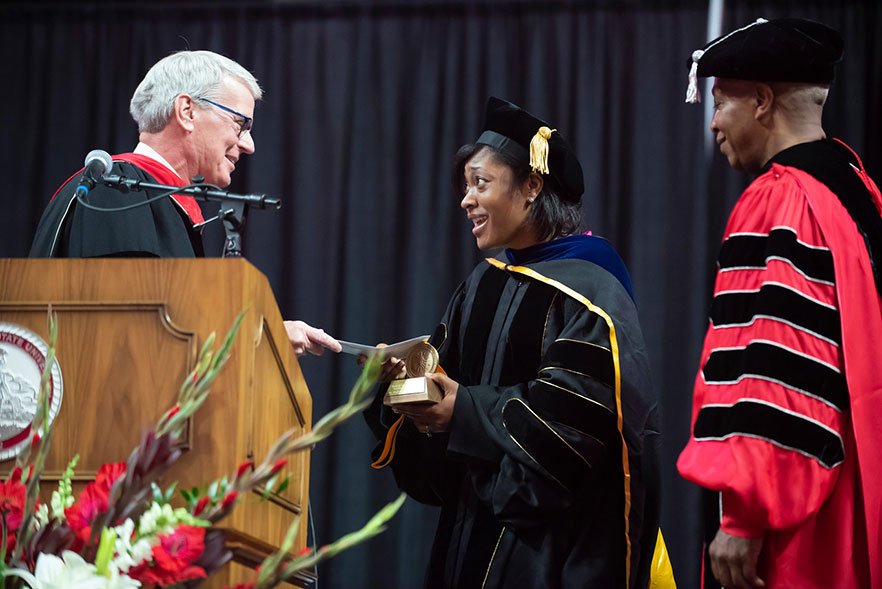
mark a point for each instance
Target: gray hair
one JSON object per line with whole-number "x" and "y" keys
{"x": 201, "y": 74}
{"x": 796, "y": 96}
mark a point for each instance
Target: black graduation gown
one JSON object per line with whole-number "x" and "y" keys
{"x": 532, "y": 478}
{"x": 161, "y": 228}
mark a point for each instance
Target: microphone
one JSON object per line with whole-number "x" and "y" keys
{"x": 98, "y": 164}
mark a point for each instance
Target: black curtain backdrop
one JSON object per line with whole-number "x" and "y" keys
{"x": 365, "y": 105}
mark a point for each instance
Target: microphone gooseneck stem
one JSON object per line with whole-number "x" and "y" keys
{"x": 203, "y": 192}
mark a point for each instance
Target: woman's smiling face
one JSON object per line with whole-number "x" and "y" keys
{"x": 495, "y": 205}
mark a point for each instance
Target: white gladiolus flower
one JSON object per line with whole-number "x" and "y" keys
{"x": 158, "y": 520}
{"x": 128, "y": 554}
{"x": 58, "y": 505}
{"x": 41, "y": 516}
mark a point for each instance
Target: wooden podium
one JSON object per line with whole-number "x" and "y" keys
{"x": 129, "y": 331}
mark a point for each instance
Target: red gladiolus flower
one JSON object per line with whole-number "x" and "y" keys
{"x": 304, "y": 551}
{"x": 81, "y": 514}
{"x": 229, "y": 499}
{"x": 12, "y": 500}
{"x": 242, "y": 468}
{"x": 172, "y": 412}
{"x": 201, "y": 505}
{"x": 279, "y": 465}
{"x": 108, "y": 473}
{"x": 173, "y": 558}
{"x": 243, "y": 586}
{"x": 93, "y": 501}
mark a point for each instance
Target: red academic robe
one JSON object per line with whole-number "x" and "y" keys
{"x": 786, "y": 424}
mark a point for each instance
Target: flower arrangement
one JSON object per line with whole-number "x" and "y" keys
{"x": 123, "y": 531}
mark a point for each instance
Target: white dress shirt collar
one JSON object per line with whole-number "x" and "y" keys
{"x": 146, "y": 150}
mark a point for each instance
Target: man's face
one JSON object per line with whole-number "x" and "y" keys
{"x": 735, "y": 126}
{"x": 217, "y": 145}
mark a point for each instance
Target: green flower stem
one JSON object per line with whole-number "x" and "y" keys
{"x": 3, "y": 546}
{"x": 290, "y": 442}
{"x": 273, "y": 570}
{"x": 195, "y": 388}
{"x": 39, "y": 424}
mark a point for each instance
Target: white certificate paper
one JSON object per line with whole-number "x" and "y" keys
{"x": 399, "y": 350}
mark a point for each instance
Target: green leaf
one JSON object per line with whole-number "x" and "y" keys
{"x": 209, "y": 343}
{"x": 271, "y": 565}
{"x": 224, "y": 352}
{"x": 157, "y": 493}
{"x": 272, "y": 562}
{"x": 283, "y": 485}
{"x": 269, "y": 487}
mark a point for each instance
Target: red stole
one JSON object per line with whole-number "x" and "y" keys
{"x": 163, "y": 175}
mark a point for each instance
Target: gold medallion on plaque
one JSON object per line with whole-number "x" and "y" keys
{"x": 422, "y": 359}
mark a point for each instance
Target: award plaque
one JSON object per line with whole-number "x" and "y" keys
{"x": 422, "y": 359}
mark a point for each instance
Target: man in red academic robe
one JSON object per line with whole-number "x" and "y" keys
{"x": 785, "y": 421}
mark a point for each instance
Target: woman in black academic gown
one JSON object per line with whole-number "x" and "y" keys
{"x": 543, "y": 451}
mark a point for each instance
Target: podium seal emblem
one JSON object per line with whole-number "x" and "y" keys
{"x": 22, "y": 360}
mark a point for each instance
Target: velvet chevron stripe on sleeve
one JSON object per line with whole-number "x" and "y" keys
{"x": 754, "y": 250}
{"x": 777, "y": 425}
{"x": 772, "y": 365}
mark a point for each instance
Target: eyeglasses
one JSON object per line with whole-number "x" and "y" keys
{"x": 245, "y": 123}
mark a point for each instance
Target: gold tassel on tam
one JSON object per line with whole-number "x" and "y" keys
{"x": 539, "y": 150}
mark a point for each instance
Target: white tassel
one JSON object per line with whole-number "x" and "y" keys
{"x": 692, "y": 93}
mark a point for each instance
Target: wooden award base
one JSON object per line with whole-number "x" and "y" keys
{"x": 412, "y": 390}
